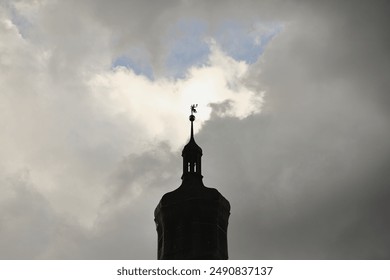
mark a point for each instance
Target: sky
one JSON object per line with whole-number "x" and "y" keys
{"x": 293, "y": 120}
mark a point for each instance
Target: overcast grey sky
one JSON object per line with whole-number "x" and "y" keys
{"x": 293, "y": 122}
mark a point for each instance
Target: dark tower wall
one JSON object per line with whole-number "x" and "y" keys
{"x": 192, "y": 223}
{"x": 192, "y": 220}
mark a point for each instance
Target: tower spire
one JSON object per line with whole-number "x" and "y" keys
{"x": 192, "y": 153}
{"x": 192, "y": 118}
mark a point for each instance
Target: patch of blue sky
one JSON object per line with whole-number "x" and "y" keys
{"x": 137, "y": 61}
{"x": 246, "y": 42}
{"x": 242, "y": 41}
{"x": 20, "y": 21}
{"x": 187, "y": 47}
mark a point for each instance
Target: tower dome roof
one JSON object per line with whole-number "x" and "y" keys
{"x": 191, "y": 147}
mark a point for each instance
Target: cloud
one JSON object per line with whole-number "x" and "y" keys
{"x": 293, "y": 130}
{"x": 89, "y": 132}
{"x": 306, "y": 178}
{"x": 152, "y": 103}
{"x": 26, "y": 211}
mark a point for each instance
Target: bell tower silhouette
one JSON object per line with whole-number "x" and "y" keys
{"x": 192, "y": 220}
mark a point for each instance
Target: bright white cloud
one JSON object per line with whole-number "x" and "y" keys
{"x": 159, "y": 108}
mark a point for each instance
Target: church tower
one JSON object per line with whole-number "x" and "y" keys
{"x": 192, "y": 220}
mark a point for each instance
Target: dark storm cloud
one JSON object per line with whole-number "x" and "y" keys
{"x": 138, "y": 173}
{"x": 29, "y": 212}
{"x": 125, "y": 227}
{"x": 314, "y": 166}
{"x": 294, "y": 195}
{"x": 30, "y": 227}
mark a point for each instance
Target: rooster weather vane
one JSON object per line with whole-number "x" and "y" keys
{"x": 193, "y": 108}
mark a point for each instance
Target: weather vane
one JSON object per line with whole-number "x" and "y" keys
{"x": 193, "y": 110}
